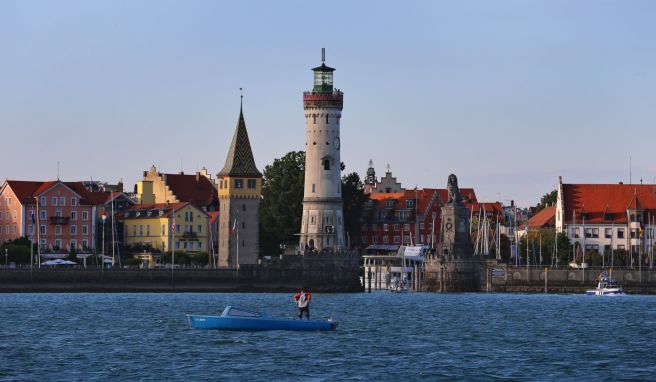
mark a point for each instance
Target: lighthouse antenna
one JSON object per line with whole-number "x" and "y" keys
{"x": 323, "y": 55}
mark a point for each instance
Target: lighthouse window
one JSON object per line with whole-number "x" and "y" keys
{"x": 313, "y": 188}
{"x": 314, "y": 119}
{"x": 327, "y": 119}
{"x": 326, "y": 164}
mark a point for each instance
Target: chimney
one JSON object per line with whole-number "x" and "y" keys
{"x": 512, "y": 203}
{"x": 197, "y": 176}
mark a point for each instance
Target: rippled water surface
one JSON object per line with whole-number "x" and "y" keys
{"x": 381, "y": 336}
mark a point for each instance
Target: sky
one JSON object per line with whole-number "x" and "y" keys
{"x": 507, "y": 95}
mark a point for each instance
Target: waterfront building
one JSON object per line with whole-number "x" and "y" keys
{"x": 198, "y": 189}
{"x": 387, "y": 184}
{"x": 413, "y": 217}
{"x": 150, "y": 227}
{"x": 58, "y": 215}
{"x": 240, "y": 191}
{"x": 322, "y": 225}
{"x": 110, "y": 203}
{"x": 602, "y": 218}
{"x": 543, "y": 219}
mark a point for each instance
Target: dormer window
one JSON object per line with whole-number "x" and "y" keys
{"x": 326, "y": 164}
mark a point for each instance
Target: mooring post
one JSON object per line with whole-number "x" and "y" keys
{"x": 369, "y": 277}
{"x": 546, "y": 277}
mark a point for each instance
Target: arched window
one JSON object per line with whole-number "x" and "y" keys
{"x": 327, "y": 122}
{"x": 326, "y": 164}
{"x": 243, "y": 207}
{"x": 314, "y": 119}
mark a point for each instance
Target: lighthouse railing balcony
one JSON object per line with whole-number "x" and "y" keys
{"x": 335, "y": 95}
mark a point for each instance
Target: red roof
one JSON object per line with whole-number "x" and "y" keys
{"x": 194, "y": 189}
{"x": 607, "y": 202}
{"x": 26, "y": 191}
{"x": 546, "y": 218}
{"x": 423, "y": 196}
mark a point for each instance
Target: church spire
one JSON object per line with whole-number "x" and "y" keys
{"x": 240, "y": 161}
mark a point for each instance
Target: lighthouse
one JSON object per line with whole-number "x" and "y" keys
{"x": 322, "y": 224}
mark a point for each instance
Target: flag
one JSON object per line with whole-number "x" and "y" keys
{"x": 173, "y": 226}
{"x": 104, "y": 216}
{"x": 234, "y": 226}
{"x": 33, "y": 219}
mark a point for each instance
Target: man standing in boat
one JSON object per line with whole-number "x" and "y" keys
{"x": 302, "y": 299}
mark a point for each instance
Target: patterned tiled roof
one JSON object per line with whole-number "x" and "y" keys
{"x": 606, "y": 203}
{"x": 240, "y": 161}
{"x": 544, "y": 219}
{"x": 26, "y": 191}
{"x": 195, "y": 189}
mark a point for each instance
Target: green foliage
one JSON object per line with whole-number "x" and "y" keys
{"x": 552, "y": 243}
{"x": 505, "y": 248}
{"x": 187, "y": 258}
{"x": 281, "y": 207}
{"x": 18, "y": 251}
{"x": 354, "y": 200}
{"x": 547, "y": 199}
{"x": 132, "y": 262}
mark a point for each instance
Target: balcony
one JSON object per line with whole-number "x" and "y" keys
{"x": 59, "y": 220}
{"x": 189, "y": 236}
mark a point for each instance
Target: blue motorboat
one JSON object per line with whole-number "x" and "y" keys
{"x": 239, "y": 319}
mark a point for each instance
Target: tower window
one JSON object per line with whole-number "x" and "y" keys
{"x": 252, "y": 183}
{"x": 313, "y": 188}
{"x": 314, "y": 119}
{"x": 243, "y": 207}
{"x": 239, "y": 183}
{"x": 327, "y": 121}
{"x": 326, "y": 164}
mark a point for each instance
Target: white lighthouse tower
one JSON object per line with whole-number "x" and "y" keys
{"x": 322, "y": 226}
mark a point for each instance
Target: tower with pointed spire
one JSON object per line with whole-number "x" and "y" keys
{"x": 240, "y": 189}
{"x": 322, "y": 224}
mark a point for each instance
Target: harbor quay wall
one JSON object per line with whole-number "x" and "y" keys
{"x": 564, "y": 280}
{"x": 484, "y": 275}
{"x": 320, "y": 274}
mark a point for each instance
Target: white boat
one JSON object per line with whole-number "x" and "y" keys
{"x": 605, "y": 287}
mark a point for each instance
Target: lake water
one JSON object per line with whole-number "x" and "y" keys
{"x": 381, "y": 336}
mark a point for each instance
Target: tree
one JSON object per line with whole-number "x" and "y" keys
{"x": 548, "y": 199}
{"x": 354, "y": 200}
{"x": 282, "y": 202}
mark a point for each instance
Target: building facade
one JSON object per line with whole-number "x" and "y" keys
{"x": 150, "y": 227}
{"x": 602, "y": 218}
{"x": 57, "y": 215}
{"x": 387, "y": 184}
{"x": 198, "y": 189}
{"x": 240, "y": 190}
{"x": 322, "y": 225}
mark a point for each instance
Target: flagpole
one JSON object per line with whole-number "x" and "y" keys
{"x": 113, "y": 233}
{"x": 32, "y": 247}
{"x": 102, "y": 250}
{"x": 38, "y": 232}
{"x": 173, "y": 230}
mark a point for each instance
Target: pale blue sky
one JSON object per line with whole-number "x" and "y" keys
{"x": 506, "y": 94}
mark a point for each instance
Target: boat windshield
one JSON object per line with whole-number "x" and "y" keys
{"x": 234, "y": 312}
